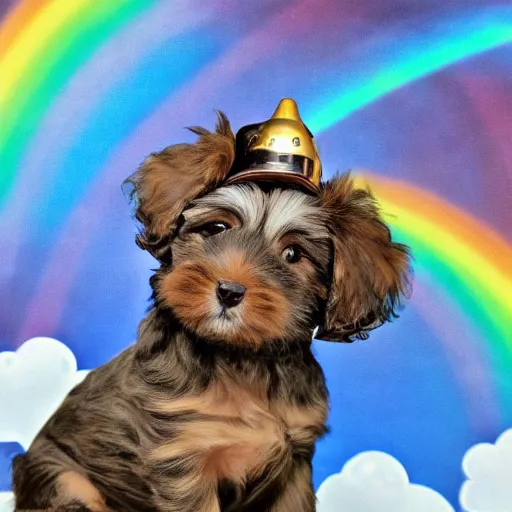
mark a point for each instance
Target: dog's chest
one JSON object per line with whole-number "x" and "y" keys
{"x": 234, "y": 433}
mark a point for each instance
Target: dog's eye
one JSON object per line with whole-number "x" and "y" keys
{"x": 212, "y": 228}
{"x": 292, "y": 254}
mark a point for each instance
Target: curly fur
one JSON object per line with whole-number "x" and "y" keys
{"x": 216, "y": 410}
{"x": 371, "y": 273}
{"x": 167, "y": 181}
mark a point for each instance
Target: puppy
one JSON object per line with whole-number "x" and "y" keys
{"x": 218, "y": 405}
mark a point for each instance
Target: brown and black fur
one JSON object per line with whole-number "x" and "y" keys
{"x": 212, "y": 409}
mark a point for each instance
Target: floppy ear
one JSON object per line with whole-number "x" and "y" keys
{"x": 167, "y": 181}
{"x": 370, "y": 273}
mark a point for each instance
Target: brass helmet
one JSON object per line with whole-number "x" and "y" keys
{"x": 280, "y": 149}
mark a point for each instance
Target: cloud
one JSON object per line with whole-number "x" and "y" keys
{"x": 34, "y": 381}
{"x": 376, "y": 482}
{"x": 6, "y": 502}
{"x": 488, "y": 468}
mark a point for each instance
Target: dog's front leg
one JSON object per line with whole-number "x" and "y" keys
{"x": 298, "y": 494}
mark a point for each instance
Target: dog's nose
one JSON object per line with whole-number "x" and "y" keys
{"x": 230, "y": 294}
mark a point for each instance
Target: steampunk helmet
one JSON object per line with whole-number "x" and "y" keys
{"x": 279, "y": 149}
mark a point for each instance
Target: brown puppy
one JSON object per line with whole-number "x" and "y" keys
{"x": 218, "y": 405}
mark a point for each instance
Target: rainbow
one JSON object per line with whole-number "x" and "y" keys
{"x": 33, "y": 74}
{"x": 69, "y": 34}
{"x": 65, "y": 80}
{"x": 442, "y": 44}
{"x": 464, "y": 257}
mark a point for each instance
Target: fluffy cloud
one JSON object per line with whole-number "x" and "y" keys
{"x": 6, "y": 502}
{"x": 34, "y": 380}
{"x": 376, "y": 482}
{"x": 488, "y": 468}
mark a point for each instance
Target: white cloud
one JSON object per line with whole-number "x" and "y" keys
{"x": 6, "y": 502}
{"x": 376, "y": 482}
{"x": 34, "y": 381}
{"x": 488, "y": 468}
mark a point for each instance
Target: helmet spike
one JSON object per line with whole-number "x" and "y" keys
{"x": 287, "y": 109}
{"x": 279, "y": 149}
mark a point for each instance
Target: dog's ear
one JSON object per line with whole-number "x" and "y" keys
{"x": 167, "y": 181}
{"x": 370, "y": 273}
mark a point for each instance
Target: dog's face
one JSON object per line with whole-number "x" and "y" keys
{"x": 250, "y": 266}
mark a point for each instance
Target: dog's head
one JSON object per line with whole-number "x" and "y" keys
{"x": 254, "y": 265}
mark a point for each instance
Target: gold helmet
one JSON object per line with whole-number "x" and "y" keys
{"x": 280, "y": 149}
